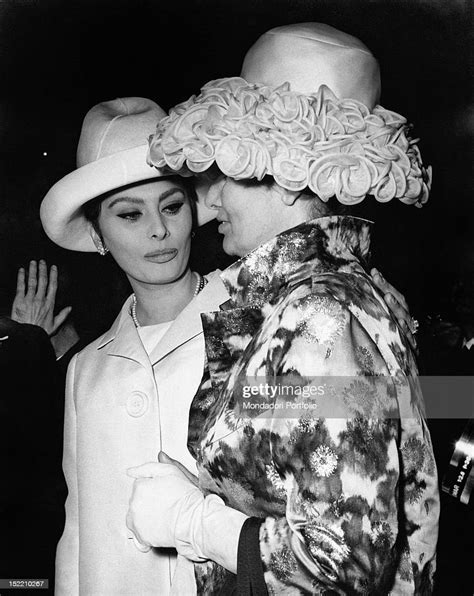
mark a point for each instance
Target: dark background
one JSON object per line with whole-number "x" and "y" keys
{"x": 60, "y": 57}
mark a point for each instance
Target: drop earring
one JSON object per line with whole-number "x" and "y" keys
{"x": 102, "y": 249}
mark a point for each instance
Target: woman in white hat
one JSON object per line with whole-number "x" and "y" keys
{"x": 343, "y": 500}
{"x": 129, "y": 392}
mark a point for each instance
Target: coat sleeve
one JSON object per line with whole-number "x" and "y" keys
{"x": 67, "y": 555}
{"x": 334, "y": 463}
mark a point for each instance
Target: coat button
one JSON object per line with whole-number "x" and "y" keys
{"x": 137, "y": 404}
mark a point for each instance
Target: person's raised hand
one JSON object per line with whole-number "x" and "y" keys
{"x": 36, "y": 296}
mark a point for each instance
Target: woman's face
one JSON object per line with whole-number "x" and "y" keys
{"x": 249, "y": 214}
{"x": 147, "y": 228}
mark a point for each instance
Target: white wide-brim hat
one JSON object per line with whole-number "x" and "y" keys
{"x": 111, "y": 154}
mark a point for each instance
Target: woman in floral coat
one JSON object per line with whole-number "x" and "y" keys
{"x": 308, "y": 429}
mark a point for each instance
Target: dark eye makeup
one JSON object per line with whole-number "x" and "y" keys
{"x": 173, "y": 208}
{"x": 131, "y": 215}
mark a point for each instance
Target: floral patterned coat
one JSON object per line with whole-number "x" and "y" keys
{"x": 349, "y": 499}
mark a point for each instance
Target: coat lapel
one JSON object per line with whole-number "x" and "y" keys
{"x": 227, "y": 335}
{"x": 188, "y": 323}
{"x": 122, "y": 339}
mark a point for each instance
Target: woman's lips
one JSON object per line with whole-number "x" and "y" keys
{"x": 161, "y": 256}
{"x": 222, "y": 227}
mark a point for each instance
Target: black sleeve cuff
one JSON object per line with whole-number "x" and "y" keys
{"x": 249, "y": 580}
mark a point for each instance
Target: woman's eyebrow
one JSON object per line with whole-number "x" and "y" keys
{"x": 134, "y": 200}
{"x": 171, "y": 191}
{"x": 138, "y": 201}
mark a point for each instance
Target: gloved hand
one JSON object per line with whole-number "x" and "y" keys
{"x": 160, "y": 492}
{"x": 167, "y": 510}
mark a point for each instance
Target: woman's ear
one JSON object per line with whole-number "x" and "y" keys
{"x": 97, "y": 240}
{"x": 288, "y": 197}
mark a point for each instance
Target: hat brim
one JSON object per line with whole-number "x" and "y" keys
{"x": 61, "y": 211}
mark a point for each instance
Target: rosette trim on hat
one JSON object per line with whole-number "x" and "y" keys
{"x": 334, "y": 147}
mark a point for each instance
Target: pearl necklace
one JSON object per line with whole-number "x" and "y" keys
{"x": 201, "y": 282}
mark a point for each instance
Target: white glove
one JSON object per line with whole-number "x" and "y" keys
{"x": 168, "y": 510}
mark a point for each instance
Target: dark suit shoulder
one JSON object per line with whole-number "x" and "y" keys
{"x": 24, "y": 343}
{"x": 22, "y": 330}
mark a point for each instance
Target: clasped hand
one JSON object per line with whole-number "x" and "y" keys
{"x": 164, "y": 495}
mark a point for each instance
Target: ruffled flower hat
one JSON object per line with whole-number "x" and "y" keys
{"x": 303, "y": 111}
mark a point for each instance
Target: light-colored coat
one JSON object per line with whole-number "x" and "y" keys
{"x": 122, "y": 408}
